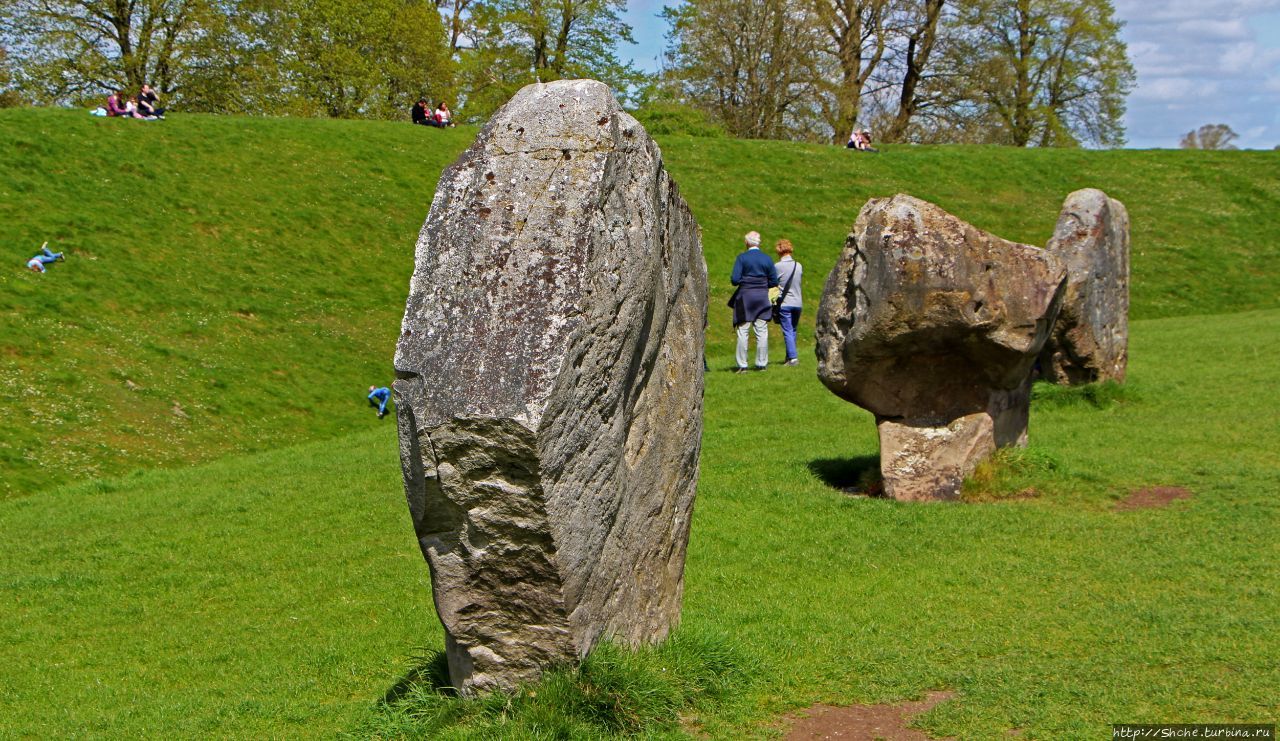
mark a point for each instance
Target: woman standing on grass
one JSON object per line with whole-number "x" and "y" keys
{"x": 789, "y": 274}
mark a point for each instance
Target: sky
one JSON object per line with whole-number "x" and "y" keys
{"x": 1198, "y": 62}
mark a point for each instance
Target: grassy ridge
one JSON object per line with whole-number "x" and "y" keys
{"x": 1204, "y": 224}
{"x": 231, "y": 285}
{"x": 236, "y": 284}
{"x": 282, "y": 593}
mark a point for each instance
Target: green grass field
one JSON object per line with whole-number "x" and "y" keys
{"x": 249, "y": 570}
{"x": 234, "y": 285}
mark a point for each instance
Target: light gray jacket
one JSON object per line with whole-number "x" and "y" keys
{"x": 785, "y": 268}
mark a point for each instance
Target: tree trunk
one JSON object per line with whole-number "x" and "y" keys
{"x": 567, "y": 18}
{"x": 1023, "y": 124}
{"x": 919, "y": 48}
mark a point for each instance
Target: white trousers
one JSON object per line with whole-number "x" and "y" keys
{"x": 762, "y": 342}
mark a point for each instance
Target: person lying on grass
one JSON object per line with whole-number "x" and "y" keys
{"x": 378, "y": 398}
{"x": 37, "y": 263}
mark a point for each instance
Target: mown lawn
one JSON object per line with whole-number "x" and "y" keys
{"x": 234, "y": 285}
{"x": 281, "y": 594}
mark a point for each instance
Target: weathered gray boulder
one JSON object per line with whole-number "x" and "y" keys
{"x": 933, "y": 326}
{"x": 1090, "y": 341}
{"x": 549, "y": 387}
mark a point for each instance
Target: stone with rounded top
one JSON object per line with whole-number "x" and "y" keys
{"x": 549, "y": 387}
{"x": 1090, "y": 340}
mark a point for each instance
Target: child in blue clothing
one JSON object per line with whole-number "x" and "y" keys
{"x": 378, "y": 397}
{"x": 38, "y": 262}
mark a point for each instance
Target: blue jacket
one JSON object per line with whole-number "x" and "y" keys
{"x": 754, "y": 264}
{"x": 380, "y": 394}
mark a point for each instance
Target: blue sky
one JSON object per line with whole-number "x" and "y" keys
{"x": 1198, "y": 62}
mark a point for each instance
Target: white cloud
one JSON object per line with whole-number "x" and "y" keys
{"x": 1156, "y": 11}
{"x": 1215, "y": 30}
{"x": 1200, "y": 62}
{"x": 1174, "y": 89}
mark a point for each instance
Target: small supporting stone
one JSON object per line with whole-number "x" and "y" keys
{"x": 933, "y": 326}
{"x": 549, "y": 392}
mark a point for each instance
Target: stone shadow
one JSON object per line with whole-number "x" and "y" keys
{"x": 430, "y": 669}
{"x": 857, "y": 475}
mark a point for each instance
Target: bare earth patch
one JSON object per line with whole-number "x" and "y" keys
{"x": 1152, "y": 496}
{"x": 864, "y": 722}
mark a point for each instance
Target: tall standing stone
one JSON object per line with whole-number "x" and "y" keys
{"x": 933, "y": 326}
{"x": 1090, "y": 341}
{"x": 549, "y": 387}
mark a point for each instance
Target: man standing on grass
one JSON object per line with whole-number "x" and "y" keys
{"x": 378, "y": 397}
{"x": 754, "y": 274}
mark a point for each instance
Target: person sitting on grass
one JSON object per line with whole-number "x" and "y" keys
{"x": 860, "y": 140}
{"x": 37, "y": 263}
{"x": 420, "y": 115}
{"x": 378, "y": 398}
{"x": 116, "y": 105}
{"x": 149, "y": 104}
{"x": 131, "y": 108}
{"x": 444, "y": 117}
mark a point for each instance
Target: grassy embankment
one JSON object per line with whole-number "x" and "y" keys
{"x": 234, "y": 285}
{"x": 281, "y": 593}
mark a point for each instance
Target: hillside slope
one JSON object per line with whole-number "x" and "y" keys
{"x": 236, "y": 284}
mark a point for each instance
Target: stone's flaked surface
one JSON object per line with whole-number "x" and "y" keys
{"x": 1090, "y": 341}
{"x": 549, "y": 390}
{"x": 933, "y": 326}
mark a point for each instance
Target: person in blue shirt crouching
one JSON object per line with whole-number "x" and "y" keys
{"x": 754, "y": 274}
{"x": 378, "y": 397}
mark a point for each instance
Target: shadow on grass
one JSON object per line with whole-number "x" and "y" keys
{"x": 431, "y": 669}
{"x": 857, "y": 475}
{"x": 1102, "y": 395}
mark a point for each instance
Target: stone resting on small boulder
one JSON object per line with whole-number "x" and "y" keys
{"x": 933, "y": 326}
{"x": 549, "y": 387}
{"x": 1090, "y": 340}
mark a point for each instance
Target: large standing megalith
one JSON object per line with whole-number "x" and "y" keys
{"x": 933, "y": 326}
{"x": 1090, "y": 340}
{"x": 549, "y": 387}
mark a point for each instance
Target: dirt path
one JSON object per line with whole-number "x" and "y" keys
{"x": 1152, "y": 496}
{"x": 863, "y": 722}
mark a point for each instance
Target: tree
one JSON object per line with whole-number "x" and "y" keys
{"x": 856, "y": 38}
{"x": 1210, "y": 136}
{"x": 337, "y": 58}
{"x": 456, "y": 14}
{"x": 8, "y": 97}
{"x": 918, "y": 25}
{"x": 748, "y": 63}
{"x": 1052, "y": 72}
{"x": 506, "y": 44}
{"x": 68, "y": 49}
